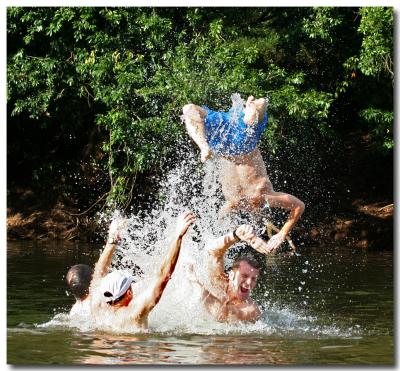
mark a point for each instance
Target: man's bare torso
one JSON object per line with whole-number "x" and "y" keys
{"x": 230, "y": 310}
{"x": 244, "y": 176}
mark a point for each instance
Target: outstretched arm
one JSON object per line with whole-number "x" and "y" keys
{"x": 152, "y": 295}
{"x": 103, "y": 264}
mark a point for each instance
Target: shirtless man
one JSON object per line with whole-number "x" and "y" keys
{"x": 78, "y": 280}
{"x": 228, "y": 297}
{"x": 243, "y": 175}
{"x": 112, "y": 293}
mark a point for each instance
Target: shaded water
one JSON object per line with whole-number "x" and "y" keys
{"x": 327, "y": 306}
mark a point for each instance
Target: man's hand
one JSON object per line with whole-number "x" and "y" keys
{"x": 183, "y": 222}
{"x": 245, "y": 233}
{"x": 116, "y": 227}
{"x": 275, "y": 241}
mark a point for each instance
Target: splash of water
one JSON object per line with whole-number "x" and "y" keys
{"x": 237, "y": 107}
{"x": 145, "y": 243}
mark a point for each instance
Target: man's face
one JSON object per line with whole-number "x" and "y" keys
{"x": 125, "y": 300}
{"x": 243, "y": 280}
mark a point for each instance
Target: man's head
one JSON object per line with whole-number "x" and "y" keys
{"x": 116, "y": 288}
{"x": 78, "y": 279}
{"x": 243, "y": 277}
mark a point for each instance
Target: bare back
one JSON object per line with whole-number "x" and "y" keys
{"x": 121, "y": 318}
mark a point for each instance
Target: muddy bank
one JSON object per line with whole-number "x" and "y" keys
{"x": 28, "y": 218}
{"x": 362, "y": 215}
{"x": 368, "y": 225}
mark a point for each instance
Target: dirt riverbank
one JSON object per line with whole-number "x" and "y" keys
{"x": 362, "y": 218}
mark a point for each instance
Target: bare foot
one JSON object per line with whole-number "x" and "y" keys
{"x": 250, "y": 112}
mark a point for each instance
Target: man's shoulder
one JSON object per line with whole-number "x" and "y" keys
{"x": 253, "y": 307}
{"x": 249, "y": 311}
{"x": 252, "y": 303}
{"x": 248, "y": 306}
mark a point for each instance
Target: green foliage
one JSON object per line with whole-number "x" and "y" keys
{"x": 376, "y": 55}
{"x": 381, "y": 123}
{"x": 374, "y": 59}
{"x": 129, "y": 71}
{"x": 322, "y": 23}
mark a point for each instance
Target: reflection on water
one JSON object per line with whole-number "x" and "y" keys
{"x": 347, "y": 317}
{"x": 199, "y": 350}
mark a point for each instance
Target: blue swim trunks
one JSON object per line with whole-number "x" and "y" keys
{"x": 230, "y": 136}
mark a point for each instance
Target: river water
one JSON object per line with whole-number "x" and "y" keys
{"x": 328, "y": 306}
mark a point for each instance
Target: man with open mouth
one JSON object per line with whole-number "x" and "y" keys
{"x": 226, "y": 296}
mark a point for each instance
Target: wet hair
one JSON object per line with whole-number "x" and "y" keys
{"x": 78, "y": 279}
{"x": 249, "y": 260}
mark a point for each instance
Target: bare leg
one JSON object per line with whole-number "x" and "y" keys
{"x": 194, "y": 120}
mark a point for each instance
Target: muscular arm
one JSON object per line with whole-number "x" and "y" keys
{"x": 104, "y": 262}
{"x": 219, "y": 246}
{"x": 215, "y": 265}
{"x": 148, "y": 300}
